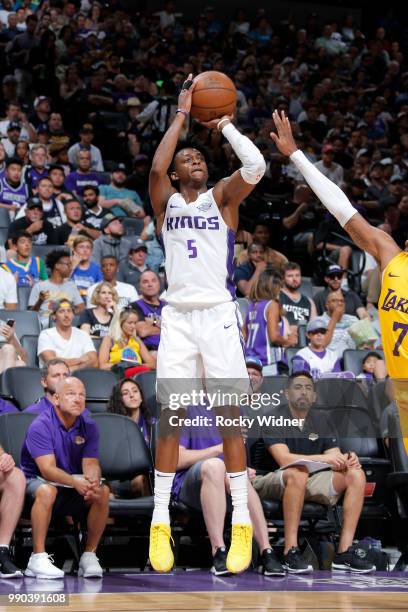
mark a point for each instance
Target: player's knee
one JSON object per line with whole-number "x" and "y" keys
{"x": 105, "y": 493}
{"x": 295, "y": 477}
{"x": 46, "y": 495}
{"x": 213, "y": 469}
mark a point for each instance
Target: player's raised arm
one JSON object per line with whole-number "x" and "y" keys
{"x": 160, "y": 187}
{"x": 371, "y": 239}
{"x": 232, "y": 190}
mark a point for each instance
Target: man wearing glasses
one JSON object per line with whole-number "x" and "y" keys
{"x": 353, "y": 304}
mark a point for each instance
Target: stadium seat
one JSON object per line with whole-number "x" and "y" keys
{"x": 316, "y": 289}
{"x": 4, "y": 217}
{"x": 30, "y": 344}
{"x": 306, "y": 287}
{"x": 3, "y": 235}
{"x": 27, "y": 322}
{"x": 98, "y": 385}
{"x": 379, "y": 397}
{"x": 23, "y": 385}
{"x": 339, "y": 392}
{"x": 290, "y": 353}
{"x": 23, "y": 293}
{"x": 353, "y": 358}
{"x": 243, "y": 304}
{"x": 398, "y": 482}
{"x": 133, "y": 226}
{"x": 274, "y": 385}
{"x": 42, "y": 250}
{"x": 13, "y": 428}
{"x": 147, "y": 382}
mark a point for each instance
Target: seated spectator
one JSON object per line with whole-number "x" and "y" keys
{"x": 69, "y": 343}
{"x": 94, "y": 213}
{"x": 85, "y": 272}
{"x": 86, "y": 136}
{"x": 83, "y": 176}
{"x": 12, "y": 491}
{"x": 126, "y": 293}
{"x": 372, "y": 368}
{"x": 267, "y": 331}
{"x": 37, "y": 168}
{"x": 8, "y": 290}
{"x": 112, "y": 241}
{"x": 52, "y": 207}
{"x": 118, "y": 198}
{"x": 315, "y": 441}
{"x": 335, "y": 310}
{"x": 13, "y": 190}
{"x": 246, "y": 274}
{"x": 262, "y": 236}
{"x": 52, "y": 373}
{"x": 61, "y": 446}
{"x": 13, "y": 136}
{"x": 27, "y": 270}
{"x": 149, "y": 308}
{"x": 58, "y": 287}
{"x": 131, "y": 269}
{"x": 328, "y": 167}
{"x": 299, "y": 220}
{"x": 96, "y": 320}
{"x": 33, "y": 222}
{"x": 331, "y": 236}
{"x": 74, "y": 224}
{"x": 315, "y": 357}
{"x": 57, "y": 176}
{"x": 127, "y": 399}
{"x": 122, "y": 351}
{"x": 12, "y": 354}
{"x": 297, "y": 307}
{"x": 333, "y": 278}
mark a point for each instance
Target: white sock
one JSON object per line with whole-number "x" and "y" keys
{"x": 163, "y": 482}
{"x": 239, "y": 494}
{"x": 4, "y": 546}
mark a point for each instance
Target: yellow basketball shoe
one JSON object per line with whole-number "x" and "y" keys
{"x": 160, "y": 552}
{"x": 240, "y": 552}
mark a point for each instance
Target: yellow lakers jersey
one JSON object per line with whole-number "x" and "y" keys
{"x": 393, "y": 315}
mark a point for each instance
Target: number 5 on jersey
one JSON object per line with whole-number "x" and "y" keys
{"x": 192, "y": 249}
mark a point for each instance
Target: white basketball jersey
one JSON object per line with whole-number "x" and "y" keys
{"x": 199, "y": 250}
{"x": 317, "y": 363}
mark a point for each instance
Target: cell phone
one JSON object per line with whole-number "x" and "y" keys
{"x": 10, "y": 322}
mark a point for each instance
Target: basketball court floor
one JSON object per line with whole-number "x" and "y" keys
{"x": 199, "y": 591}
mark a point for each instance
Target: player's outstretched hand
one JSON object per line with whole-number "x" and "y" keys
{"x": 284, "y": 138}
{"x": 213, "y": 124}
{"x": 184, "y": 99}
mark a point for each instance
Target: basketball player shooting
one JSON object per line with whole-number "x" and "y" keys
{"x": 393, "y": 262}
{"x": 200, "y": 331}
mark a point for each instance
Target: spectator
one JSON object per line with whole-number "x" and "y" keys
{"x": 299, "y": 221}
{"x": 37, "y": 169}
{"x": 297, "y": 307}
{"x": 262, "y": 236}
{"x": 74, "y": 224}
{"x": 122, "y": 350}
{"x": 65, "y": 342}
{"x": 27, "y": 270}
{"x": 83, "y": 175}
{"x": 13, "y": 192}
{"x": 112, "y": 241}
{"x": 52, "y": 373}
{"x": 328, "y": 167}
{"x": 315, "y": 357}
{"x": 84, "y": 271}
{"x": 14, "y": 113}
{"x": 12, "y": 489}
{"x": 52, "y": 206}
{"x": 13, "y": 136}
{"x": 118, "y": 198}
{"x": 12, "y": 354}
{"x": 49, "y": 454}
{"x": 42, "y": 110}
{"x": 130, "y": 270}
{"x": 127, "y": 399}
{"x": 295, "y": 485}
{"x": 149, "y": 308}
{"x": 267, "y": 331}
{"x": 41, "y": 230}
{"x": 3, "y": 156}
{"x": 57, "y": 176}
{"x": 97, "y": 319}
{"x": 373, "y": 368}
{"x": 335, "y": 309}
{"x": 333, "y": 279}
{"x": 246, "y": 274}
{"x": 8, "y": 290}
{"x": 86, "y": 136}
{"x": 94, "y": 213}
{"x": 57, "y": 287}
{"x": 126, "y": 293}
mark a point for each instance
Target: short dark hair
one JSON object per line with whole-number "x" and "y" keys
{"x": 291, "y": 265}
{"x": 109, "y": 257}
{"x": 44, "y": 178}
{"x": 295, "y": 375}
{"x": 52, "y": 362}
{"x": 91, "y": 187}
{"x": 186, "y": 145}
{"x": 54, "y": 257}
{"x": 21, "y": 234}
{"x": 371, "y": 354}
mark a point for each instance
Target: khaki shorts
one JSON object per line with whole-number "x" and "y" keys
{"x": 319, "y": 487}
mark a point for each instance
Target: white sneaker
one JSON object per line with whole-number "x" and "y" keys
{"x": 41, "y": 565}
{"x": 89, "y": 566}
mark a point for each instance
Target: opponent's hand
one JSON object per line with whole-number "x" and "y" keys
{"x": 213, "y": 124}
{"x": 184, "y": 99}
{"x": 284, "y": 138}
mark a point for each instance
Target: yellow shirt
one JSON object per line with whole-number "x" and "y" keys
{"x": 130, "y": 352}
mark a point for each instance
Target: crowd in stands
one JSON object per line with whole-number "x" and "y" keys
{"x": 88, "y": 90}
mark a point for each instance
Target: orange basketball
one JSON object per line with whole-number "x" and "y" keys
{"x": 214, "y": 95}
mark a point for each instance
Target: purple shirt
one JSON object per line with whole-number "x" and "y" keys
{"x": 6, "y": 407}
{"x": 197, "y": 438}
{"x": 151, "y": 342}
{"x": 257, "y": 343}
{"x": 76, "y": 181}
{"x": 40, "y": 406}
{"x": 32, "y": 176}
{"x": 48, "y": 436}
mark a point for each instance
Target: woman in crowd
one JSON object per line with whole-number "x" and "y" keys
{"x": 266, "y": 330}
{"x": 96, "y": 321}
{"x": 121, "y": 350}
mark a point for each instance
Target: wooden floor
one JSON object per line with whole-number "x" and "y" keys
{"x": 231, "y": 602}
